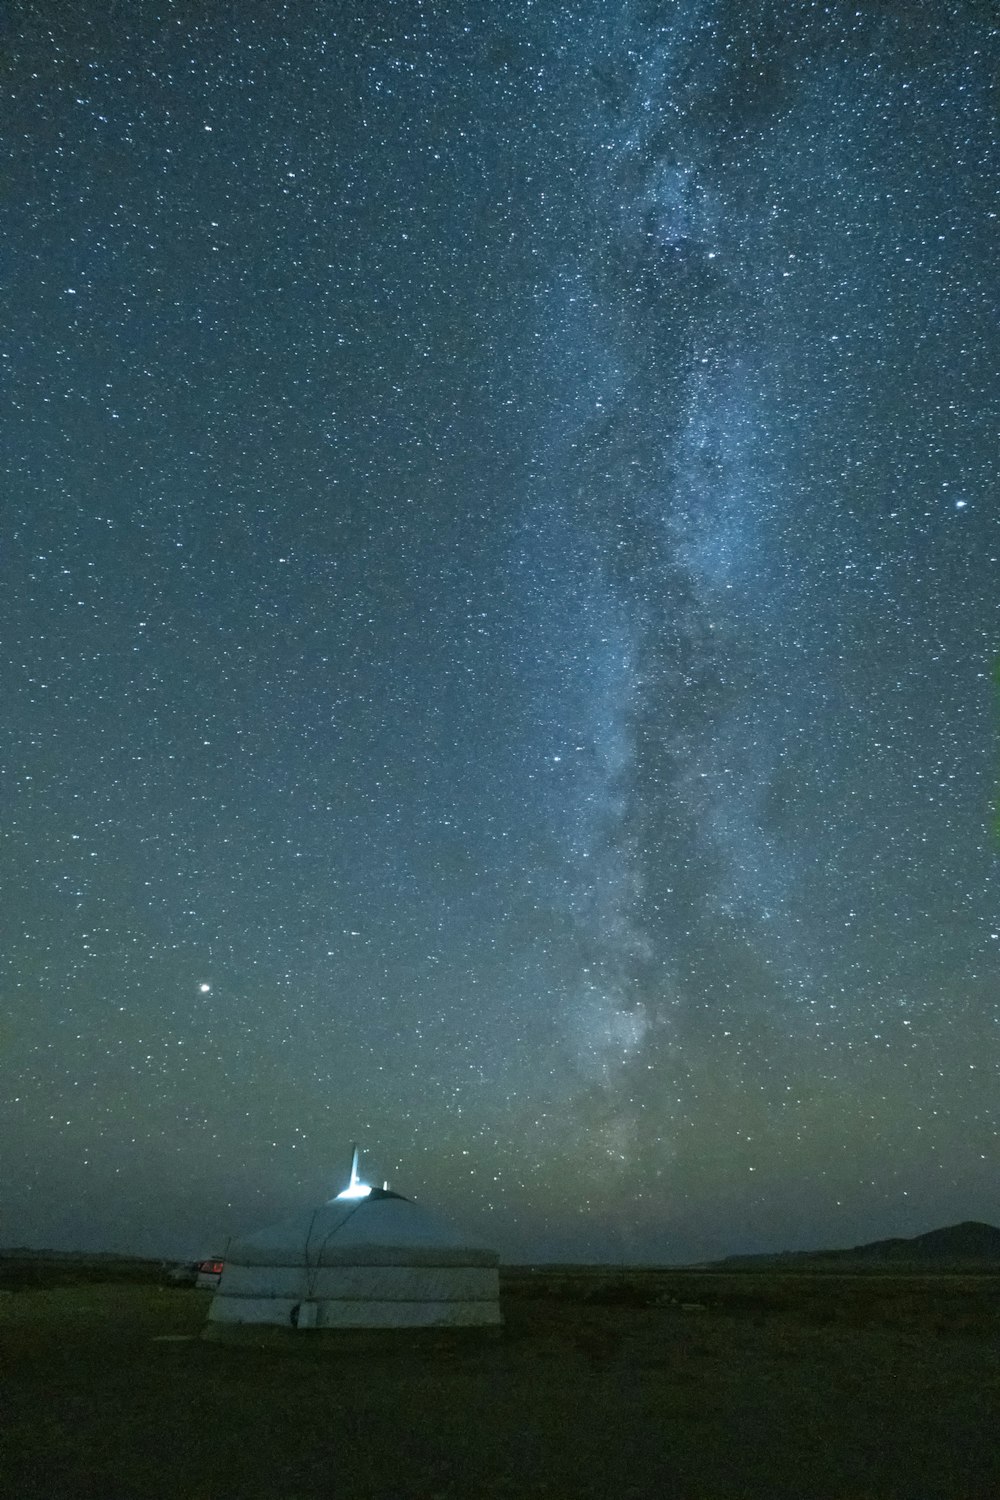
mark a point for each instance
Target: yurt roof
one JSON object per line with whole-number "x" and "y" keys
{"x": 380, "y": 1229}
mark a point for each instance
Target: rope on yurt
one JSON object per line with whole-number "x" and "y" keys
{"x": 312, "y": 1272}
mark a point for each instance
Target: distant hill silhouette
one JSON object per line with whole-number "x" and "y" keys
{"x": 25, "y": 1252}
{"x": 968, "y": 1244}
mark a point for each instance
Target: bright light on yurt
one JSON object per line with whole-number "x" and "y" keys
{"x": 355, "y": 1188}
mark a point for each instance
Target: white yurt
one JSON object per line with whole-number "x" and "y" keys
{"x": 367, "y": 1259}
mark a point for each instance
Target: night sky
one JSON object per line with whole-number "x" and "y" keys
{"x": 499, "y": 610}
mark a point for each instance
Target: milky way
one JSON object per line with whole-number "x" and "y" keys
{"x": 500, "y": 600}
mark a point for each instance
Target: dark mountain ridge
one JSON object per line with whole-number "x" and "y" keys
{"x": 967, "y": 1244}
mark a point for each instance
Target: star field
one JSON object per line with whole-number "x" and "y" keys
{"x": 499, "y": 619}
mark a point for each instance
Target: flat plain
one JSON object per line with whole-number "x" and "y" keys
{"x": 616, "y": 1383}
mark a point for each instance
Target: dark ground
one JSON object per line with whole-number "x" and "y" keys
{"x": 604, "y": 1384}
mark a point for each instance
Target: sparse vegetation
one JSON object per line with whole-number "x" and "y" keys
{"x": 607, "y": 1382}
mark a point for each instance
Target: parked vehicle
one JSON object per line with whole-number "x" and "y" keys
{"x": 197, "y": 1273}
{"x": 209, "y": 1273}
